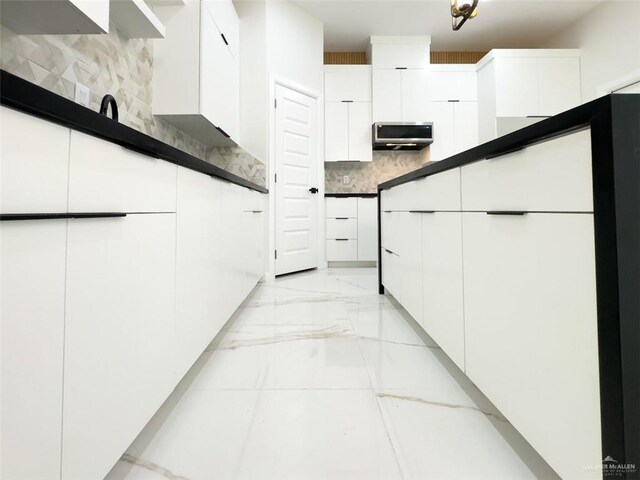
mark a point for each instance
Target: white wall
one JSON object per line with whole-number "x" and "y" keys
{"x": 280, "y": 43}
{"x": 609, "y": 39}
{"x": 295, "y": 44}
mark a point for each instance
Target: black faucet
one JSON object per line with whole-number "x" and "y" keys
{"x": 106, "y": 101}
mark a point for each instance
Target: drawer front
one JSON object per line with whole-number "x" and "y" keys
{"x": 437, "y": 192}
{"x": 253, "y": 201}
{"x": 34, "y": 164}
{"x": 554, "y": 176}
{"x": 391, "y": 276}
{"x": 342, "y": 207}
{"x": 342, "y": 250}
{"x": 390, "y": 236}
{"x": 107, "y": 177}
{"x": 342, "y": 228}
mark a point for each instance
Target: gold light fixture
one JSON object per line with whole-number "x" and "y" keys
{"x": 462, "y": 13}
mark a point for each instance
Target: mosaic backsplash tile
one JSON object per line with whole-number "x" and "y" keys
{"x": 364, "y": 177}
{"x": 118, "y": 65}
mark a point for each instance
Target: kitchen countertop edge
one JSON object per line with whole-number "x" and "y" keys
{"x": 26, "y": 97}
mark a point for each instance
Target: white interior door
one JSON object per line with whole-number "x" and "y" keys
{"x": 297, "y": 173}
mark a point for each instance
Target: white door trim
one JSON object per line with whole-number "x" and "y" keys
{"x": 275, "y": 80}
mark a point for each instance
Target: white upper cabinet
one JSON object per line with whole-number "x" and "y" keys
{"x": 196, "y": 70}
{"x": 387, "y": 95}
{"x": 347, "y": 83}
{"x": 400, "y": 51}
{"x": 348, "y": 113}
{"x": 135, "y": 19}
{"x": 453, "y": 82}
{"x": 59, "y": 17}
{"x": 525, "y": 83}
{"x": 415, "y": 95}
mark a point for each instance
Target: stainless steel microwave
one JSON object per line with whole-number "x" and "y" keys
{"x": 402, "y": 135}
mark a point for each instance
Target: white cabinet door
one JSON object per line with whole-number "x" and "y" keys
{"x": 120, "y": 309}
{"x": 436, "y": 192}
{"x": 444, "y": 86}
{"x": 219, "y": 87}
{"x": 410, "y": 233}
{"x": 32, "y": 255}
{"x": 367, "y": 229}
{"x": 400, "y": 55}
{"x": 387, "y": 95}
{"x": 443, "y": 316}
{"x": 531, "y": 330}
{"x": 336, "y": 131}
{"x": 34, "y": 175}
{"x": 415, "y": 95}
{"x": 200, "y": 304}
{"x": 105, "y": 177}
{"x": 226, "y": 19}
{"x": 442, "y": 116}
{"x": 516, "y": 87}
{"x": 360, "y": 148}
{"x": 347, "y": 82}
{"x": 558, "y": 85}
{"x": 465, "y": 117}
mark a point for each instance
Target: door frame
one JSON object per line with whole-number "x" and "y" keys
{"x": 275, "y": 81}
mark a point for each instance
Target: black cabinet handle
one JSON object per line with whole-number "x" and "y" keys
{"x": 313, "y": 190}
{"x": 223, "y": 132}
{"x": 342, "y": 218}
{"x": 507, "y": 212}
{"x": 57, "y": 216}
{"x": 422, "y": 211}
{"x": 389, "y": 251}
{"x": 401, "y": 68}
{"x": 254, "y": 211}
{"x": 347, "y": 101}
{"x": 342, "y": 239}
{"x": 224, "y": 39}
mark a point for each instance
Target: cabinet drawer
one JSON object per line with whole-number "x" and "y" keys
{"x": 104, "y": 176}
{"x": 34, "y": 164}
{"x": 342, "y": 228}
{"x": 553, "y": 176}
{"x": 391, "y": 276}
{"x": 436, "y": 192}
{"x": 390, "y": 236}
{"x": 342, "y": 250}
{"x": 342, "y": 207}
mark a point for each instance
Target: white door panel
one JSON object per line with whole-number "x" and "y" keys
{"x": 296, "y": 170}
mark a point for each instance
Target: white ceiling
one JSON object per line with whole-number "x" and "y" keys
{"x": 348, "y": 24}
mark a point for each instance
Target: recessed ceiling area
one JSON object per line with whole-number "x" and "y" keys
{"x": 348, "y": 24}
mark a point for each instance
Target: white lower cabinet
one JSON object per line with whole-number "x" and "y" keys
{"x": 342, "y": 250}
{"x": 531, "y": 330}
{"x": 352, "y": 229}
{"x": 410, "y": 233}
{"x": 367, "y": 229}
{"x": 391, "y": 273}
{"x": 120, "y": 315}
{"x": 443, "y": 313}
{"x": 32, "y": 255}
{"x": 200, "y": 303}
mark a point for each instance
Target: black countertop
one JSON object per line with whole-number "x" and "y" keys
{"x": 566, "y": 122}
{"x": 347, "y": 195}
{"x": 26, "y": 97}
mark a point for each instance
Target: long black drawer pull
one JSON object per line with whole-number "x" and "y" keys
{"x": 507, "y": 212}
{"x": 342, "y": 218}
{"x": 389, "y": 251}
{"x": 57, "y": 216}
{"x": 422, "y": 211}
{"x": 254, "y": 211}
{"x": 342, "y": 239}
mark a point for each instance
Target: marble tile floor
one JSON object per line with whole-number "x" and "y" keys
{"x": 318, "y": 377}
